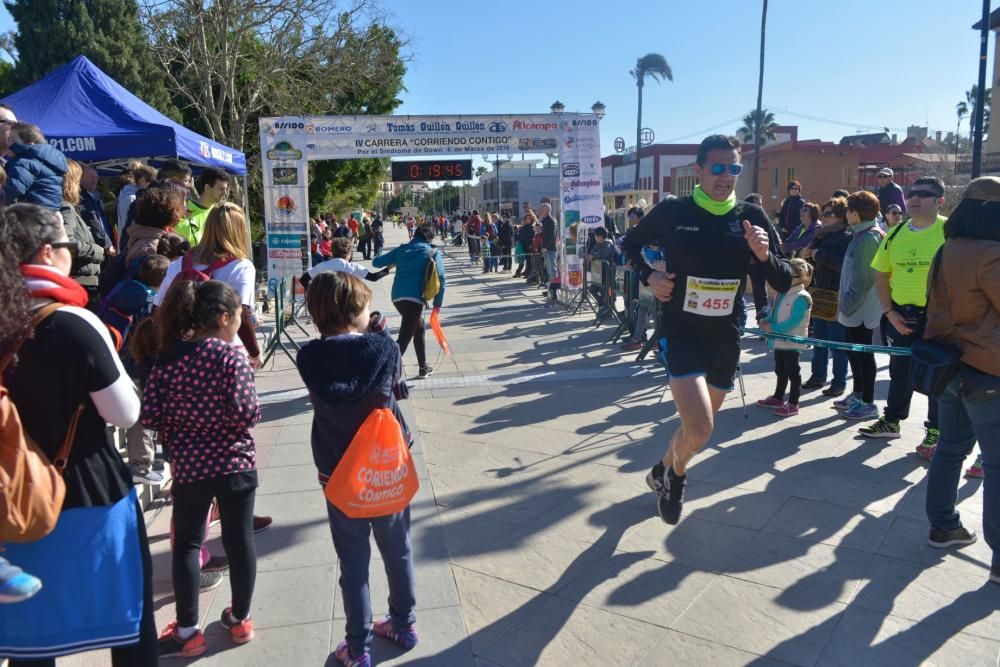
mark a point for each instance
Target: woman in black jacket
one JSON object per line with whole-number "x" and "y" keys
{"x": 525, "y": 235}
{"x": 505, "y": 241}
{"x": 826, "y": 253}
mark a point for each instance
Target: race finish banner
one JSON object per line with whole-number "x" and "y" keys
{"x": 288, "y": 143}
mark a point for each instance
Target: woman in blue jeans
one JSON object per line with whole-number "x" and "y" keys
{"x": 963, "y": 308}
{"x": 826, "y": 253}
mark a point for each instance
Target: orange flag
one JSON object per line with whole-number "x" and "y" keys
{"x": 438, "y": 331}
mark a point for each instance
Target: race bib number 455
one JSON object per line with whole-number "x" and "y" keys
{"x": 710, "y": 297}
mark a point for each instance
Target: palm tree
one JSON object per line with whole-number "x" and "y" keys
{"x": 763, "y": 119}
{"x": 757, "y": 144}
{"x": 654, "y": 65}
{"x": 961, "y": 110}
{"x": 971, "y": 97}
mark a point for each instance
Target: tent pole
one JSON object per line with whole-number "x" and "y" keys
{"x": 246, "y": 209}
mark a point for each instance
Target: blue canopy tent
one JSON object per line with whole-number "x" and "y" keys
{"x": 91, "y": 118}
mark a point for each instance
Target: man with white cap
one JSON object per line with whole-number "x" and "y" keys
{"x": 889, "y": 192}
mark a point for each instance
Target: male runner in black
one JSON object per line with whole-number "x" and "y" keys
{"x": 710, "y": 241}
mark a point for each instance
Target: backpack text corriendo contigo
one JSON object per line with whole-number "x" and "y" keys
{"x": 375, "y": 477}
{"x": 32, "y": 489}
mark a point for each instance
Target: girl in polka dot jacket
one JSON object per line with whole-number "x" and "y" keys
{"x": 201, "y": 397}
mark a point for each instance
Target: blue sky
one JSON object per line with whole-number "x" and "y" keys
{"x": 886, "y": 63}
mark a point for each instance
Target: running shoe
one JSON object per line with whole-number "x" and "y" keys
{"x": 834, "y": 390}
{"x": 847, "y": 402}
{"x": 654, "y": 478}
{"x": 771, "y": 403}
{"x": 813, "y": 383}
{"x": 145, "y": 475}
{"x": 425, "y": 371}
{"x": 209, "y": 581}
{"x": 172, "y": 646}
{"x": 880, "y": 428}
{"x": 261, "y": 523}
{"x": 787, "y": 410}
{"x": 976, "y": 471}
{"x": 670, "y": 500}
{"x": 942, "y": 539}
{"x": 240, "y": 631}
{"x": 216, "y": 564}
{"x": 16, "y": 585}
{"x": 926, "y": 448}
{"x": 343, "y": 654}
{"x": 861, "y": 410}
{"x": 405, "y": 639}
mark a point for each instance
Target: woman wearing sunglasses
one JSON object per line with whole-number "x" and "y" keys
{"x": 710, "y": 241}
{"x": 68, "y": 376}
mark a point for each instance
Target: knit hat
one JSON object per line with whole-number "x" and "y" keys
{"x": 984, "y": 188}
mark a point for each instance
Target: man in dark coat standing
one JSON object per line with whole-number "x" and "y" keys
{"x": 889, "y": 192}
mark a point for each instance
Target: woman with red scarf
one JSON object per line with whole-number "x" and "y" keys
{"x": 95, "y": 564}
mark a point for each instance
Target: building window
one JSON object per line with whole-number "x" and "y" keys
{"x": 790, "y": 175}
{"x": 774, "y": 183}
{"x": 846, "y": 178}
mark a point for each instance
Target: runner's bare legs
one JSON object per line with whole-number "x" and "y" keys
{"x": 697, "y": 404}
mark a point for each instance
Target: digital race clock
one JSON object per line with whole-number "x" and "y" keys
{"x": 432, "y": 170}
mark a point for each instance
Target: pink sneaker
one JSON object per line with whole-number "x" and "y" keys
{"x": 787, "y": 410}
{"x": 771, "y": 403}
{"x": 975, "y": 471}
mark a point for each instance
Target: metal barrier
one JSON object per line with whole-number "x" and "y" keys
{"x": 648, "y": 301}
{"x": 607, "y": 290}
{"x": 284, "y": 297}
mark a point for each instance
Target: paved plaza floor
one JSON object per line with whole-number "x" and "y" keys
{"x": 537, "y": 542}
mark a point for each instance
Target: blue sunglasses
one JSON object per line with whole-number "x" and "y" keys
{"x": 718, "y": 169}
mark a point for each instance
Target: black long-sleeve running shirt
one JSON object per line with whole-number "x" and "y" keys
{"x": 710, "y": 259}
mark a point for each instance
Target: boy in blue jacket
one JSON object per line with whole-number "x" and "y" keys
{"x": 353, "y": 369}
{"x": 35, "y": 169}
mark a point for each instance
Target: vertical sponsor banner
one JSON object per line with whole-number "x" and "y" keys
{"x": 581, "y": 193}
{"x": 286, "y": 204}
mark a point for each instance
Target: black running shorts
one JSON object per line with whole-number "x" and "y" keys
{"x": 715, "y": 357}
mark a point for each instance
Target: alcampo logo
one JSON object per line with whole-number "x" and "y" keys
{"x": 530, "y": 125}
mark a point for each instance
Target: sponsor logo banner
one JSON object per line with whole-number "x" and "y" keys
{"x": 284, "y": 241}
{"x": 284, "y": 253}
{"x": 288, "y": 227}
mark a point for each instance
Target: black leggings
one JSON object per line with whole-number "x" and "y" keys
{"x": 236, "y": 516}
{"x": 146, "y": 652}
{"x": 411, "y": 328}
{"x": 786, "y": 367}
{"x": 862, "y": 363}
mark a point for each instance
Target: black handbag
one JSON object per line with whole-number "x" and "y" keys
{"x": 933, "y": 363}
